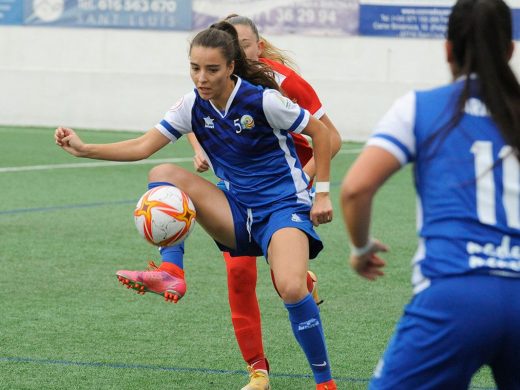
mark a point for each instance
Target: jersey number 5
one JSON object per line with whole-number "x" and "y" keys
{"x": 484, "y": 161}
{"x": 237, "y": 124}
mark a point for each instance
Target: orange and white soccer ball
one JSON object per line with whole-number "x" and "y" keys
{"x": 164, "y": 216}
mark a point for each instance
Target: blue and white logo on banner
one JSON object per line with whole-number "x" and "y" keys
{"x": 11, "y": 12}
{"x": 145, "y": 14}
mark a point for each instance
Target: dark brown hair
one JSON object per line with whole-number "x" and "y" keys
{"x": 481, "y": 34}
{"x": 223, "y": 36}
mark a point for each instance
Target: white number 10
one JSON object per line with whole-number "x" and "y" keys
{"x": 486, "y": 209}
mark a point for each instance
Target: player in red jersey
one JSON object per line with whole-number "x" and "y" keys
{"x": 242, "y": 271}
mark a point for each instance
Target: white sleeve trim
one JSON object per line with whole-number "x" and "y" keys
{"x": 165, "y": 132}
{"x": 390, "y": 147}
{"x": 303, "y": 124}
{"x": 319, "y": 113}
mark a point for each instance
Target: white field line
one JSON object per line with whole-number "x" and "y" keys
{"x": 350, "y": 151}
{"x": 98, "y": 164}
{"x": 93, "y": 164}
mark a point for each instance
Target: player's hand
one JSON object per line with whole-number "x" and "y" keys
{"x": 321, "y": 211}
{"x": 369, "y": 265}
{"x": 69, "y": 141}
{"x": 200, "y": 163}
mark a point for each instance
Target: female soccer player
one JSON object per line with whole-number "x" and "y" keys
{"x": 241, "y": 270}
{"x": 242, "y": 123}
{"x": 168, "y": 278}
{"x": 464, "y": 139}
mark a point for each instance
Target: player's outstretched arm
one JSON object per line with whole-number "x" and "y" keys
{"x": 335, "y": 137}
{"x": 365, "y": 177}
{"x": 366, "y": 262}
{"x": 335, "y": 145}
{"x": 129, "y": 150}
{"x": 200, "y": 161}
{"x": 321, "y": 211}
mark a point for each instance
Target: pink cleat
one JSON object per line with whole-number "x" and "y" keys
{"x": 330, "y": 385}
{"x": 154, "y": 280}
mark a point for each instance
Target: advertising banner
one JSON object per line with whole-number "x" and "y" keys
{"x": 11, "y": 12}
{"x": 305, "y": 17}
{"x": 414, "y": 18}
{"x": 137, "y": 14}
{"x": 387, "y": 18}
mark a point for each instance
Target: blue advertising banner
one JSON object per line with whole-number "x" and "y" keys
{"x": 139, "y": 14}
{"x": 305, "y": 17}
{"x": 11, "y": 12}
{"x": 414, "y": 18}
{"x": 419, "y": 19}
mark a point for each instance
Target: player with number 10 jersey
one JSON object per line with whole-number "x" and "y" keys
{"x": 468, "y": 218}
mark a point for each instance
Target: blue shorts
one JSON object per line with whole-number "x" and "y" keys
{"x": 255, "y": 227}
{"x": 450, "y": 330}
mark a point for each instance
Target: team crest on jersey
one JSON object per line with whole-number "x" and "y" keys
{"x": 208, "y": 122}
{"x": 247, "y": 122}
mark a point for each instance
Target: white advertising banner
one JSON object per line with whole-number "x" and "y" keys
{"x": 308, "y": 17}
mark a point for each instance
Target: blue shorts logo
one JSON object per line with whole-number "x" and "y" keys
{"x": 296, "y": 218}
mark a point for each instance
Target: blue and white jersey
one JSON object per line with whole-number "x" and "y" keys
{"x": 247, "y": 145}
{"x": 467, "y": 181}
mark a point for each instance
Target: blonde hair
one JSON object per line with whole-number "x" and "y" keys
{"x": 270, "y": 52}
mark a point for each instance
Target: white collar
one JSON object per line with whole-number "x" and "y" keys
{"x": 230, "y": 99}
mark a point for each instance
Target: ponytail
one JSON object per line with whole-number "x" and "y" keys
{"x": 481, "y": 35}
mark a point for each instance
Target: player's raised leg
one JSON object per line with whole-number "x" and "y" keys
{"x": 213, "y": 211}
{"x": 210, "y": 203}
{"x": 167, "y": 279}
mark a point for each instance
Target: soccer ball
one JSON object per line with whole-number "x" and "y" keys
{"x": 164, "y": 216}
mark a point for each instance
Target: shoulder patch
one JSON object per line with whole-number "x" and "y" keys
{"x": 177, "y": 105}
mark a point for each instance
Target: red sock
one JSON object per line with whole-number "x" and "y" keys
{"x": 172, "y": 269}
{"x": 245, "y": 312}
{"x": 261, "y": 364}
{"x": 310, "y": 283}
